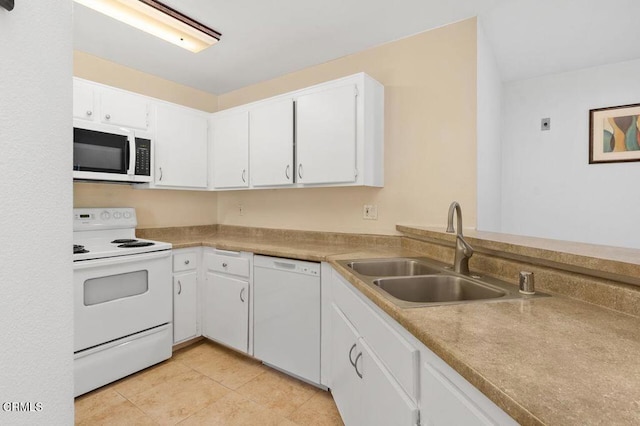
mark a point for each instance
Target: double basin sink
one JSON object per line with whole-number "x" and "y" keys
{"x": 418, "y": 282}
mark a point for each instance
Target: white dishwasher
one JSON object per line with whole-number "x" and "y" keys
{"x": 286, "y": 313}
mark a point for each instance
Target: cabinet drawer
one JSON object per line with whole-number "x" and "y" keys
{"x": 399, "y": 356}
{"x": 230, "y": 263}
{"x": 184, "y": 261}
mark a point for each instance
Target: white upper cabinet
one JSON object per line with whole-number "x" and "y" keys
{"x": 326, "y": 136}
{"x": 230, "y": 150}
{"x": 106, "y": 105}
{"x": 180, "y": 147}
{"x": 330, "y": 134}
{"x": 124, "y": 109}
{"x": 271, "y": 143}
{"x": 83, "y": 100}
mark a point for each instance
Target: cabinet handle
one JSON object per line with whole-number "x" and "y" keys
{"x": 350, "y": 352}
{"x": 224, "y": 264}
{"x": 108, "y": 116}
{"x": 160, "y": 173}
{"x": 242, "y": 294}
{"x": 286, "y": 171}
{"x": 179, "y": 287}
{"x": 186, "y": 262}
{"x": 355, "y": 365}
{"x": 244, "y": 172}
{"x": 300, "y": 171}
{"x": 89, "y": 113}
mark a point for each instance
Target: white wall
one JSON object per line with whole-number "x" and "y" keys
{"x": 36, "y": 311}
{"x": 488, "y": 138}
{"x": 549, "y": 187}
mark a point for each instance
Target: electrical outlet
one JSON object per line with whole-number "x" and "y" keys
{"x": 370, "y": 212}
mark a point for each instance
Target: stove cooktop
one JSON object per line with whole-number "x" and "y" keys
{"x": 109, "y": 232}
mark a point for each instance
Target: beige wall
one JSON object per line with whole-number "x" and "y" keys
{"x": 106, "y": 72}
{"x": 430, "y": 140}
{"x": 154, "y": 208}
{"x": 430, "y": 143}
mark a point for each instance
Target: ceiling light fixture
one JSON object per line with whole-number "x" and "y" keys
{"x": 159, "y": 20}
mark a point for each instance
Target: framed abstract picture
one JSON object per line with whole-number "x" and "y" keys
{"x": 614, "y": 134}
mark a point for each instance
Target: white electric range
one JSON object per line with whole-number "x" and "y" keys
{"x": 122, "y": 298}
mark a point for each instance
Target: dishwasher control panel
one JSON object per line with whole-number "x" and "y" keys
{"x": 288, "y": 265}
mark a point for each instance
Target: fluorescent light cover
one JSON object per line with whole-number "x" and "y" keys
{"x": 158, "y": 20}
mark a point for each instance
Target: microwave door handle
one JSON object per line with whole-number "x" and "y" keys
{"x": 131, "y": 144}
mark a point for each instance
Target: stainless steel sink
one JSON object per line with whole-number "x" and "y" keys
{"x": 418, "y": 282}
{"x": 392, "y": 267}
{"x": 437, "y": 289}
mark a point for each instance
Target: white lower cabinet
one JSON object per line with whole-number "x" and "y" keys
{"x": 383, "y": 400}
{"x": 185, "y": 295}
{"x": 365, "y": 392}
{"x": 226, "y": 298}
{"x": 185, "y": 306}
{"x": 346, "y": 386}
{"x": 376, "y": 377}
{"x": 226, "y": 313}
{"x": 445, "y": 404}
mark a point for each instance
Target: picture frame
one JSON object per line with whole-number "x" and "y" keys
{"x": 614, "y": 134}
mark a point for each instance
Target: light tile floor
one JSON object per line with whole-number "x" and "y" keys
{"x": 207, "y": 384}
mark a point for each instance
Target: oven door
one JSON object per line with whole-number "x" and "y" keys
{"x": 120, "y": 296}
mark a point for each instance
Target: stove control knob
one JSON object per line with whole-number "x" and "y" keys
{"x": 117, "y": 215}
{"x": 127, "y": 215}
{"x": 105, "y": 215}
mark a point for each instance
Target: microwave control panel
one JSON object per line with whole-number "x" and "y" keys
{"x": 143, "y": 157}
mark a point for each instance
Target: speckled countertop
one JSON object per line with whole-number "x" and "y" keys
{"x": 545, "y": 361}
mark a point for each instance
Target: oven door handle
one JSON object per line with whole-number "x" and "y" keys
{"x": 120, "y": 260}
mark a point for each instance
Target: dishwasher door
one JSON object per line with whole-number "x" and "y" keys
{"x": 287, "y": 315}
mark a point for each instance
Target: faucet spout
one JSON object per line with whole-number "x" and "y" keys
{"x": 454, "y": 208}
{"x": 463, "y": 250}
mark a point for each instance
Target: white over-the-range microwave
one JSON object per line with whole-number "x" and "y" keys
{"x": 111, "y": 153}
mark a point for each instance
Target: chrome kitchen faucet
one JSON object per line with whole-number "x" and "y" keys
{"x": 463, "y": 249}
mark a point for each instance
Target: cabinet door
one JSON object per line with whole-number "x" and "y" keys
{"x": 271, "y": 143}
{"x": 326, "y": 136}
{"x": 184, "y": 306}
{"x": 83, "y": 100}
{"x": 444, "y": 403}
{"x": 124, "y": 109}
{"x": 230, "y": 142}
{"x": 180, "y": 147}
{"x": 345, "y": 384}
{"x": 383, "y": 400}
{"x": 226, "y": 311}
